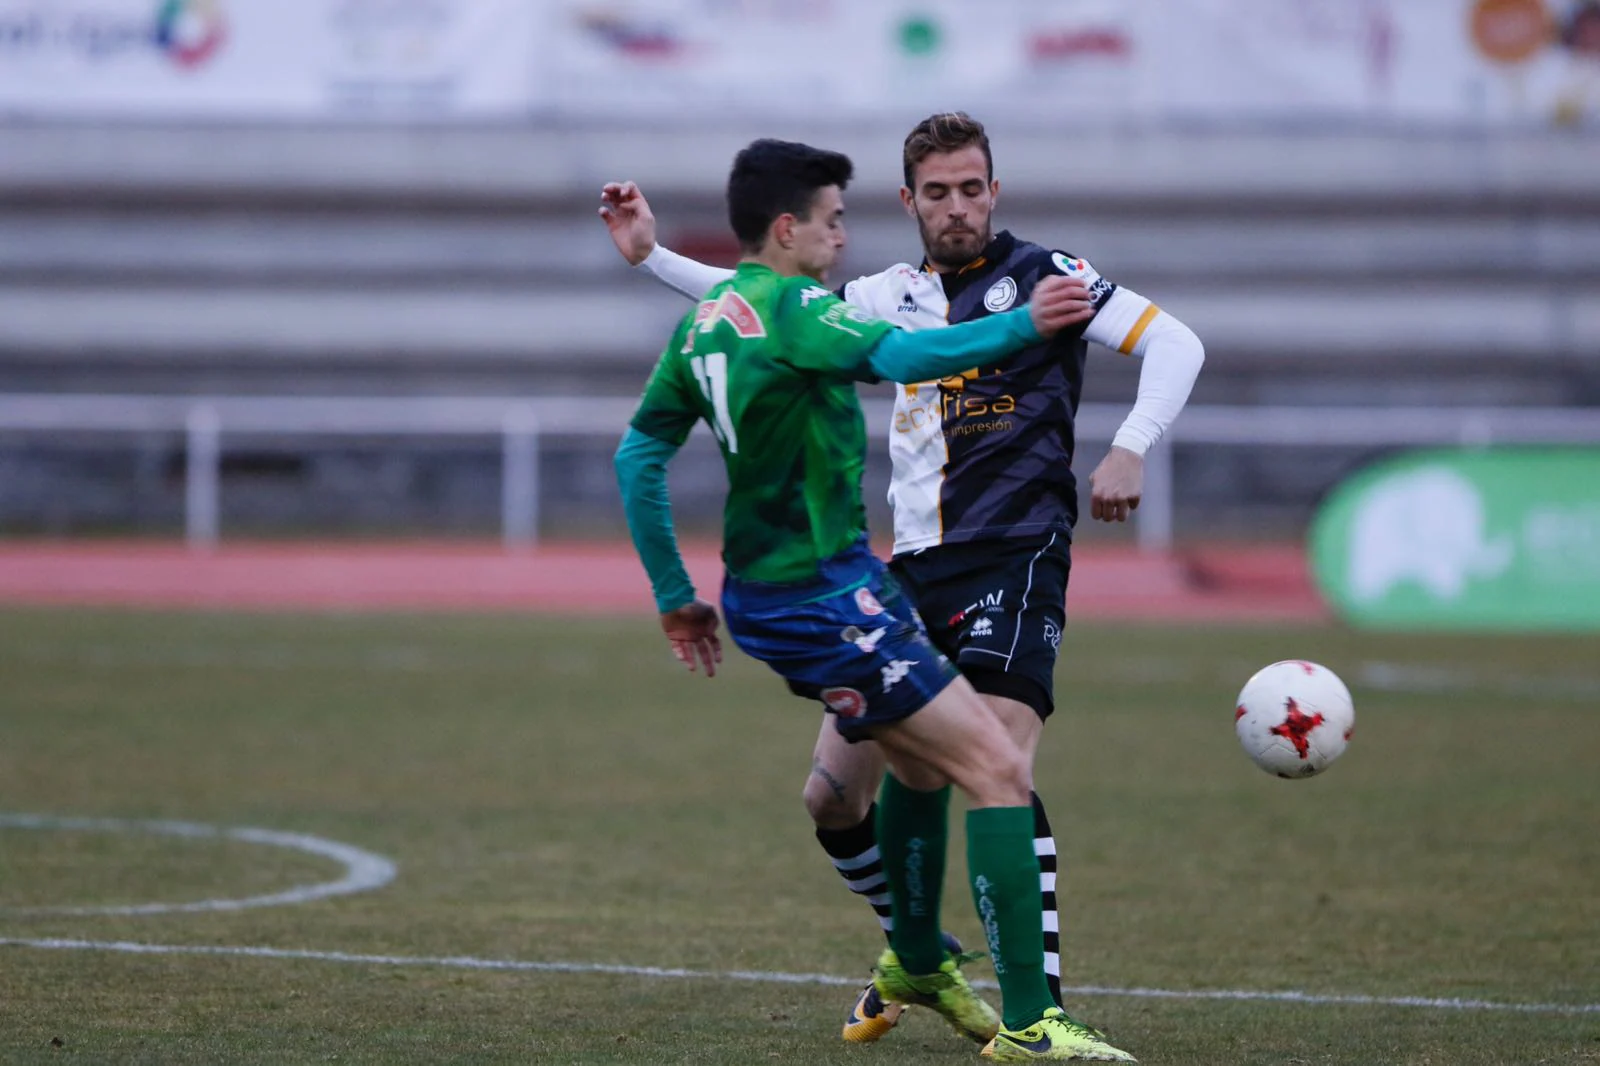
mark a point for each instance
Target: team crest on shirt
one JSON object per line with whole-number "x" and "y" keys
{"x": 867, "y": 603}
{"x": 844, "y": 702}
{"x": 1001, "y": 295}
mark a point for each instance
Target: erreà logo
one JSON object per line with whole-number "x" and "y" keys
{"x": 732, "y": 308}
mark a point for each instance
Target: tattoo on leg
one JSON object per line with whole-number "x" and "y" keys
{"x": 833, "y": 782}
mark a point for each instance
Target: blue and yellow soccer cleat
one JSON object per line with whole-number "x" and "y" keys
{"x": 871, "y": 1017}
{"x": 1057, "y": 1037}
{"x": 945, "y": 991}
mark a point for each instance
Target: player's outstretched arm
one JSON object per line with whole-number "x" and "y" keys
{"x": 632, "y": 226}
{"x": 689, "y": 623}
{"x": 1057, "y": 304}
{"x": 1172, "y": 356}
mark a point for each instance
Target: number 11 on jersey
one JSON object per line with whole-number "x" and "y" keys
{"x": 711, "y": 370}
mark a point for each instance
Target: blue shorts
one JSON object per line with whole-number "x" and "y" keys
{"x": 849, "y": 639}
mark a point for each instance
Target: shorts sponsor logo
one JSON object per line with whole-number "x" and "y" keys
{"x": 867, "y": 642}
{"x": 1052, "y": 635}
{"x": 990, "y": 603}
{"x": 983, "y": 627}
{"x": 1001, "y": 295}
{"x": 895, "y": 672}
{"x": 844, "y": 702}
{"x": 867, "y": 603}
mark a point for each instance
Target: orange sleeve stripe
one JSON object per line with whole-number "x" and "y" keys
{"x": 1132, "y": 339}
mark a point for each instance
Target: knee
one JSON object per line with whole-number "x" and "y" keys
{"x": 831, "y": 807}
{"x": 1006, "y": 775}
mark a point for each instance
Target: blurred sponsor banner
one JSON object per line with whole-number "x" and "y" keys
{"x": 247, "y": 58}
{"x": 1433, "y": 62}
{"x": 1437, "y": 62}
{"x": 812, "y": 59}
{"x": 1496, "y": 540}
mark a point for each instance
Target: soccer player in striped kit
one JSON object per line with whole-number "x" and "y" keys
{"x": 982, "y": 490}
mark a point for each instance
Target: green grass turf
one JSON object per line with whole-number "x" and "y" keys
{"x": 558, "y": 790}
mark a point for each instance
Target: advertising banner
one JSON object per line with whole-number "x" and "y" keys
{"x": 285, "y": 59}
{"x": 819, "y": 59}
{"x": 1502, "y": 539}
{"x": 1458, "y": 63}
{"x": 1471, "y": 63}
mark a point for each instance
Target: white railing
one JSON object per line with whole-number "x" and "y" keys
{"x": 520, "y": 423}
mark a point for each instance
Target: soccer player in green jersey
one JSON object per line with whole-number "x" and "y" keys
{"x": 769, "y": 360}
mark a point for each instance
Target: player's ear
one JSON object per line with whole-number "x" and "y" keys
{"x": 908, "y": 198}
{"x": 994, "y": 190}
{"x": 783, "y": 230}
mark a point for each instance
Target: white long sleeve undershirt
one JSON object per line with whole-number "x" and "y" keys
{"x": 688, "y": 276}
{"x": 1172, "y": 356}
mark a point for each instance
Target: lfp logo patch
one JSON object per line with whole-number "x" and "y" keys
{"x": 190, "y": 31}
{"x": 1071, "y": 266}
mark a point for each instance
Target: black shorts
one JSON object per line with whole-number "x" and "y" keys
{"x": 997, "y": 609}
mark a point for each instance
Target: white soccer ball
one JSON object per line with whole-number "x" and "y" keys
{"x": 1294, "y": 718}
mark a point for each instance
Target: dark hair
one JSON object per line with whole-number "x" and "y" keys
{"x": 772, "y": 178}
{"x": 948, "y": 131}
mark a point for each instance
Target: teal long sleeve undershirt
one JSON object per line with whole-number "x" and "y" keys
{"x": 928, "y": 354}
{"x": 641, "y": 464}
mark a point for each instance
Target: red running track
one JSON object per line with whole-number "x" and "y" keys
{"x": 1254, "y": 583}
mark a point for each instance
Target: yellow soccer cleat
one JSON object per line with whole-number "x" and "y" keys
{"x": 945, "y": 991}
{"x": 871, "y": 1016}
{"x": 1057, "y": 1037}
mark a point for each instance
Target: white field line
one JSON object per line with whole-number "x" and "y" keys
{"x": 363, "y": 870}
{"x": 770, "y": 977}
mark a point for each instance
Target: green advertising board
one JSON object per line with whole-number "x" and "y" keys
{"x": 1499, "y": 538}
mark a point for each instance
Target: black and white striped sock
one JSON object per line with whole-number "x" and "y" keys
{"x": 1044, "y": 846}
{"x": 854, "y": 852}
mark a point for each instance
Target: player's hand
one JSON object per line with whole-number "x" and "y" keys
{"x": 1118, "y": 482}
{"x": 692, "y": 629}
{"x": 1058, "y": 303}
{"x": 627, "y": 215}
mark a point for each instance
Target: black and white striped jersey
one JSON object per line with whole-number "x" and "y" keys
{"x": 988, "y": 454}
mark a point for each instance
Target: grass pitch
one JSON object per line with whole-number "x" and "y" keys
{"x": 557, "y": 791}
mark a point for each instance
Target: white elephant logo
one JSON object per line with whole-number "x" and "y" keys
{"x": 1425, "y": 526}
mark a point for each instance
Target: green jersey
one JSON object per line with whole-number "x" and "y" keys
{"x": 770, "y": 363}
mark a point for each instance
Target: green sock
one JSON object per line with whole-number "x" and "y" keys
{"x": 1005, "y": 887}
{"x": 913, "y": 836}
